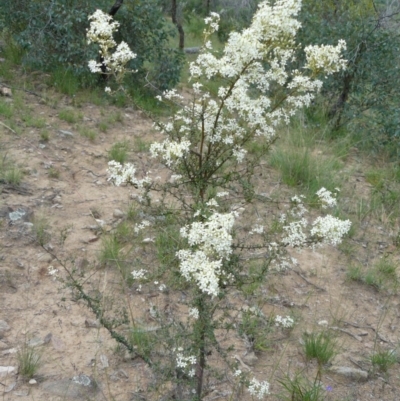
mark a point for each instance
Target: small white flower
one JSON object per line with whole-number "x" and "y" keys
{"x": 194, "y": 313}
{"x": 258, "y": 389}
{"x": 285, "y": 322}
{"x": 107, "y": 89}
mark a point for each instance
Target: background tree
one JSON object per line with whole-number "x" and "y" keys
{"x": 364, "y": 97}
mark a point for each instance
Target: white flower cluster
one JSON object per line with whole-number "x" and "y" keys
{"x": 139, "y": 274}
{"x": 285, "y": 322}
{"x": 141, "y": 226}
{"x": 329, "y": 229}
{"x": 258, "y": 389}
{"x": 323, "y": 230}
{"x": 254, "y": 63}
{"x": 211, "y": 242}
{"x": 170, "y": 151}
{"x": 102, "y": 28}
{"x": 257, "y": 229}
{"x": 326, "y": 198}
{"x": 125, "y": 174}
{"x": 185, "y": 362}
{"x": 326, "y": 58}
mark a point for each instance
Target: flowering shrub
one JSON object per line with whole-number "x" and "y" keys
{"x": 206, "y": 150}
{"x": 102, "y": 28}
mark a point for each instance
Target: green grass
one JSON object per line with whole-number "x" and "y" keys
{"x": 301, "y": 389}
{"x": 40, "y": 230}
{"x": 69, "y": 116}
{"x": 300, "y": 168}
{"x": 319, "y": 346}
{"x": 118, "y": 152}
{"x": 65, "y": 81}
{"x": 255, "y": 329}
{"x": 88, "y": 133}
{"x": 29, "y": 361}
{"x": 9, "y": 172}
{"x": 110, "y": 250}
{"x": 381, "y": 275}
{"x": 6, "y": 109}
{"x": 383, "y": 360}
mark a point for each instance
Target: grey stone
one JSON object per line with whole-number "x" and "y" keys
{"x": 81, "y": 387}
{"x": 45, "y": 257}
{"x": 351, "y": 373}
{"x": 65, "y": 133}
{"x": 118, "y": 213}
{"x": 5, "y": 370}
{"x": 192, "y": 50}
{"x": 35, "y": 342}
{"x": 104, "y": 361}
{"x": 250, "y": 359}
{"x": 95, "y": 324}
{"x": 4, "y": 326}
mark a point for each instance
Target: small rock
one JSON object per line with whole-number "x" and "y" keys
{"x": 94, "y": 324}
{"x": 32, "y": 381}
{"x": 250, "y": 359}
{"x": 4, "y": 326}
{"x": 21, "y": 393}
{"x": 5, "y": 92}
{"x": 351, "y": 373}
{"x": 104, "y": 361}
{"x": 3, "y": 345}
{"x": 9, "y": 351}
{"x": 10, "y": 387}
{"x": 65, "y": 133}
{"x": 118, "y": 213}
{"x": 57, "y": 343}
{"x": 48, "y": 338}
{"x": 5, "y": 370}
{"x": 128, "y": 356}
{"x": 35, "y": 342}
{"x": 45, "y": 257}
{"x": 93, "y": 239}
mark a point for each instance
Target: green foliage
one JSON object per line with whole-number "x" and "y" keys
{"x": 110, "y": 250}
{"x": 319, "y": 346}
{"x": 29, "y": 361}
{"x": 254, "y": 328}
{"x": 9, "y": 172}
{"x": 299, "y": 167}
{"x": 383, "y": 360}
{"x": 118, "y": 152}
{"x": 300, "y": 389}
{"x": 40, "y": 230}
{"x": 365, "y": 96}
{"x": 69, "y": 116}
{"x": 381, "y": 275}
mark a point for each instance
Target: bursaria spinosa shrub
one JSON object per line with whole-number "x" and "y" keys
{"x": 206, "y": 150}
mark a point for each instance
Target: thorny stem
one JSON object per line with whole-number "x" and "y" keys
{"x": 91, "y": 303}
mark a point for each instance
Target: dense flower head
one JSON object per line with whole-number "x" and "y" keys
{"x": 258, "y": 389}
{"x": 254, "y": 63}
{"x": 323, "y": 230}
{"x": 330, "y": 229}
{"x": 102, "y": 28}
{"x": 125, "y": 174}
{"x": 210, "y": 243}
{"x": 326, "y": 58}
